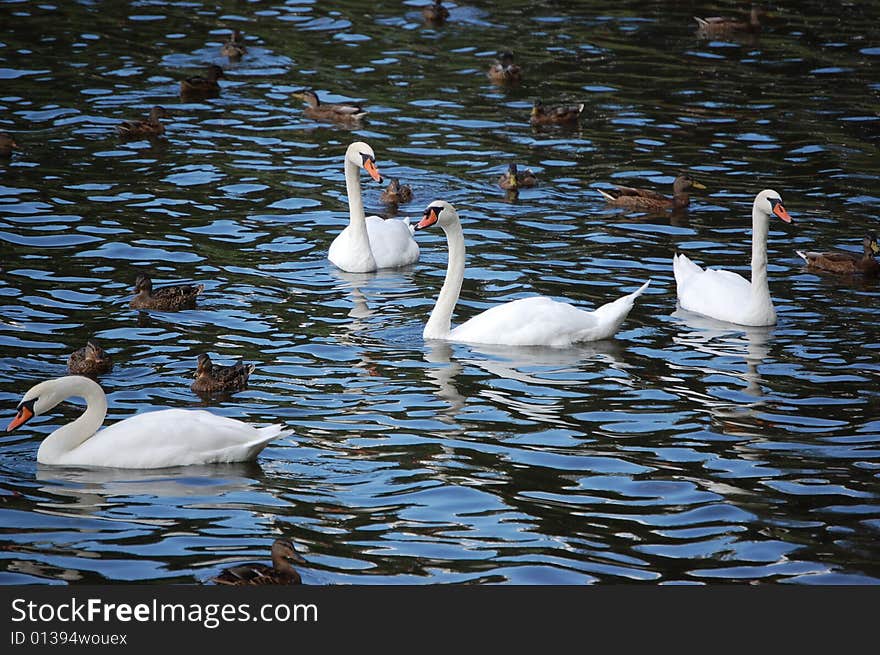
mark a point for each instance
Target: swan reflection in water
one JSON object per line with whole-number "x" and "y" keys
{"x": 534, "y": 369}
{"x": 726, "y": 344}
{"x": 90, "y": 491}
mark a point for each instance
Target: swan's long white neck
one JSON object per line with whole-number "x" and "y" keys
{"x": 440, "y": 323}
{"x": 68, "y": 437}
{"x": 357, "y": 217}
{"x": 760, "y": 230}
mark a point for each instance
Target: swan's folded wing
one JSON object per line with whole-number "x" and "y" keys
{"x": 392, "y": 242}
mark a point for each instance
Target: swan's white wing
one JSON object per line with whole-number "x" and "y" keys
{"x": 346, "y": 253}
{"x": 172, "y": 437}
{"x": 719, "y": 294}
{"x": 392, "y": 242}
{"x": 543, "y": 321}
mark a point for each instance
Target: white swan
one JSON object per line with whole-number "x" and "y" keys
{"x": 369, "y": 242}
{"x": 168, "y": 437}
{"x": 534, "y": 321}
{"x": 728, "y": 296}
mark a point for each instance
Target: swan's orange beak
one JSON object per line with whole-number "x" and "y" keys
{"x": 779, "y": 210}
{"x": 432, "y": 214}
{"x": 24, "y": 415}
{"x": 370, "y": 166}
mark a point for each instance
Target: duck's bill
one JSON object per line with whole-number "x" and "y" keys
{"x": 370, "y": 167}
{"x": 875, "y": 247}
{"x": 779, "y": 210}
{"x": 24, "y": 415}
{"x": 697, "y": 185}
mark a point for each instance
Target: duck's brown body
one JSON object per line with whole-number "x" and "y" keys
{"x": 559, "y": 115}
{"x": 719, "y": 26}
{"x": 647, "y": 200}
{"x": 280, "y": 573}
{"x": 513, "y": 179}
{"x": 234, "y": 47}
{"x": 169, "y": 299}
{"x": 7, "y": 145}
{"x": 90, "y": 360}
{"x": 216, "y": 378}
{"x": 396, "y": 193}
{"x": 847, "y": 263}
{"x": 435, "y": 13}
{"x": 345, "y": 113}
{"x": 150, "y": 127}
{"x": 202, "y": 87}
{"x": 505, "y": 71}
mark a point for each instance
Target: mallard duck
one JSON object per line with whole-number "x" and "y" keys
{"x": 7, "y": 145}
{"x": 150, "y": 127}
{"x": 169, "y": 299}
{"x": 848, "y": 263}
{"x": 90, "y": 360}
{"x": 504, "y": 71}
{"x": 513, "y": 180}
{"x": 202, "y": 86}
{"x": 435, "y": 13}
{"x": 214, "y": 378}
{"x": 281, "y": 571}
{"x": 396, "y": 193}
{"x": 338, "y": 112}
{"x": 559, "y": 115}
{"x": 646, "y": 200}
{"x": 234, "y": 46}
{"x": 713, "y": 25}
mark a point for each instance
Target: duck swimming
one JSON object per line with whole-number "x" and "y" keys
{"x": 198, "y": 86}
{"x": 216, "y": 378}
{"x": 646, "y": 200}
{"x": 7, "y": 145}
{"x": 169, "y": 298}
{"x": 152, "y": 126}
{"x": 396, "y": 193}
{"x": 558, "y": 115}
{"x": 90, "y": 360}
{"x": 281, "y": 571}
{"x": 513, "y": 179}
{"x": 435, "y": 13}
{"x": 847, "y": 263}
{"x": 342, "y": 112}
{"x": 504, "y": 71}
{"x": 234, "y": 47}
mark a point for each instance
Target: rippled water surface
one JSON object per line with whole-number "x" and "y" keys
{"x": 681, "y": 451}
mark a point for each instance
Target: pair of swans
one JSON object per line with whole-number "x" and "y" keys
{"x": 370, "y": 243}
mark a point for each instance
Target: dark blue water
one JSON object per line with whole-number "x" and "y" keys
{"x": 681, "y": 451}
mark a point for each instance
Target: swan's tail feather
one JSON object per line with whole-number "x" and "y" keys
{"x": 249, "y": 451}
{"x": 682, "y": 268}
{"x": 611, "y": 315}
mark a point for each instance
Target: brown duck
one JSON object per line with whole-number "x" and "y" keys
{"x": 513, "y": 180}
{"x": 7, "y": 145}
{"x": 90, "y": 360}
{"x": 198, "y": 86}
{"x": 718, "y": 25}
{"x": 558, "y": 115}
{"x": 215, "y": 378}
{"x": 396, "y": 193}
{"x": 169, "y": 299}
{"x": 281, "y": 571}
{"x": 847, "y": 262}
{"x": 646, "y": 200}
{"x": 150, "y": 127}
{"x": 504, "y": 71}
{"x": 435, "y": 13}
{"x": 339, "y": 112}
{"x": 234, "y": 47}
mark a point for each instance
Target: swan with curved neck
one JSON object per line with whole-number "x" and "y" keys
{"x": 168, "y": 437}
{"x": 369, "y": 242}
{"x": 728, "y": 296}
{"x": 534, "y": 321}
